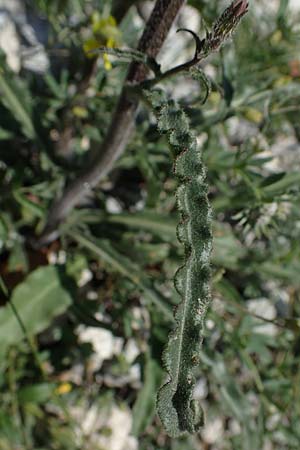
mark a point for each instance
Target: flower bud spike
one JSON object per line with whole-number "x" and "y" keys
{"x": 226, "y": 25}
{"x": 240, "y": 7}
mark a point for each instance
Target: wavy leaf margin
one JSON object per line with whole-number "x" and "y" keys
{"x": 177, "y": 409}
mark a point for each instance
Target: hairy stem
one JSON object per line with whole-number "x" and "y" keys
{"x": 122, "y": 123}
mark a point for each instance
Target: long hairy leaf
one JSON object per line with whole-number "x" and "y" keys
{"x": 178, "y": 411}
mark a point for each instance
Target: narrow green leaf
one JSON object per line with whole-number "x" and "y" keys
{"x": 120, "y": 263}
{"x": 29, "y": 205}
{"x": 129, "y": 55}
{"x": 290, "y": 180}
{"x": 198, "y": 75}
{"x": 272, "y": 179}
{"x": 158, "y": 224}
{"x": 289, "y": 272}
{"x": 227, "y": 249}
{"x": 16, "y": 98}
{"x": 144, "y": 407}
{"x": 36, "y": 393}
{"x": 5, "y": 134}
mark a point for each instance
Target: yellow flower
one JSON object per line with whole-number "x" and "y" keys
{"x": 105, "y": 26}
{"x": 107, "y": 63}
{"x": 63, "y": 388}
{"x": 89, "y": 45}
{"x": 105, "y": 33}
{"x": 80, "y": 112}
{"x": 253, "y": 115}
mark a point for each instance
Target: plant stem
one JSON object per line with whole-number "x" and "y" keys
{"x": 15, "y": 406}
{"x": 122, "y": 123}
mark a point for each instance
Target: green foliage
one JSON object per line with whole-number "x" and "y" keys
{"x": 16, "y": 98}
{"x": 129, "y": 55}
{"x": 145, "y": 404}
{"x": 112, "y": 269}
{"x": 125, "y": 267}
{"x": 38, "y": 300}
{"x": 37, "y": 393}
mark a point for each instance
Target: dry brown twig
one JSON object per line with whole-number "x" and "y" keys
{"x": 123, "y": 120}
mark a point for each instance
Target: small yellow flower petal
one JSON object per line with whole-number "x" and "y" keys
{"x": 89, "y": 45}
{"x": 107, "y": 63}
{"x": 110, "y": 43}
{"x": 105, "y": 27}
{"x": 253, "y": 115}
{"x": 63, "y": 388}
{"x": 80, "y": 112}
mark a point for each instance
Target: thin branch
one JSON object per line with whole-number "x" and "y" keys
{"x": 130, "y": 55}
{"x": 123, "y": 120}
{"x": 221, "y": 31}
{"x": 198, "y": 57}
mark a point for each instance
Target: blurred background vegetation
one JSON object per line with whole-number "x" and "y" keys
{"x": 83, "y": 320}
